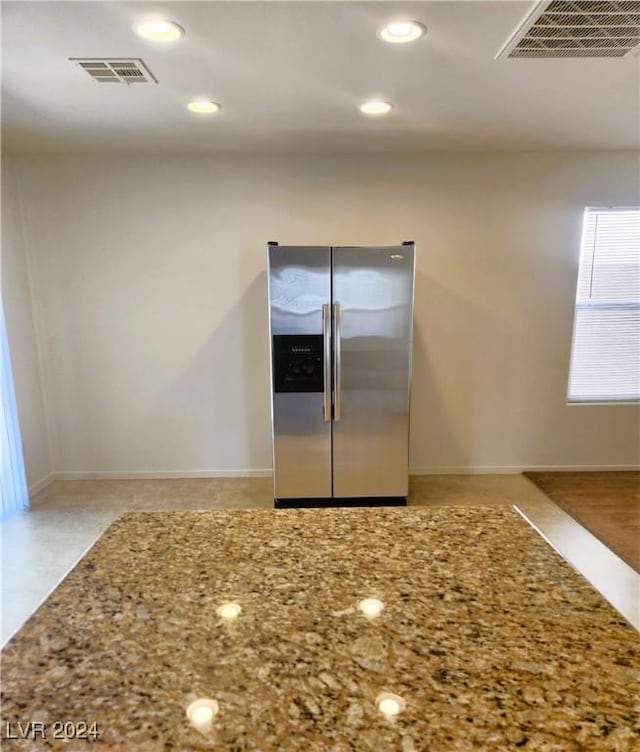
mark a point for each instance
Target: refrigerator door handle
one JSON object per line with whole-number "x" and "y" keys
{"x": 337, "y": 365}
{"x": 326, "y": 333}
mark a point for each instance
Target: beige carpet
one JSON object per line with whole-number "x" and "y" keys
{"x": 606, "y": 503}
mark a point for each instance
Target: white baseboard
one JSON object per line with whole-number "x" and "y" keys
{"x": 464, "y": 470}
{"x": 578, "y": 468}
{"x": 36, "y": 487}
{"x": 513, "y": 469}
{"x": 159, "y": 474}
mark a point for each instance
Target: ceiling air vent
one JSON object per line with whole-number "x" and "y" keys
{"x": 115, "y": 70}
{"x": 573, "y": 28}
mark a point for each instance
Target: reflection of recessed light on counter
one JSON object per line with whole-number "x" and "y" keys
{"x": 371, "y": 607}
{"x": 202, "y": 711}
{"x": 229, "y": 610}
{"x": 159, "y": 31}
{"x": 400, "y": 32}
{"x": 389, "y": 704}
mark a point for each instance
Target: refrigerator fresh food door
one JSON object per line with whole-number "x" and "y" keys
{"x": 373, "y": 311}
{"x": 300, "y": 319}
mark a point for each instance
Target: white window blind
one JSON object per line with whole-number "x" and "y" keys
{"x": 605, "y": 354}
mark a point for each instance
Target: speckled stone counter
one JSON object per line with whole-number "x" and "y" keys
{"x": 492, "y": 640}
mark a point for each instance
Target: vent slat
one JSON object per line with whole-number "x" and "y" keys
{"x": 551, "y": 44}
{"x": 528, "y": 53}
{"x": 613, "y": 32}
{"x": 593, "y": 6}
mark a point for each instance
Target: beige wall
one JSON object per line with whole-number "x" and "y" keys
{"x": 17, "y": 301}
{"x": 150, "y": 295}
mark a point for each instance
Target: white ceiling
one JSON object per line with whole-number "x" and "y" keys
{"x": 290, "y": 76}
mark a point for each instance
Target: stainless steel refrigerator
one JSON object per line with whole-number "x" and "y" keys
{"x": 340, "y": 321}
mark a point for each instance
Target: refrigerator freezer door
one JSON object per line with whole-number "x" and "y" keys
{"x": 299, "y": 287}
{"x": 373, "y": 292}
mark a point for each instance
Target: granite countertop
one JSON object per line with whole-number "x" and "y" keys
{"x": 493, "y": 641}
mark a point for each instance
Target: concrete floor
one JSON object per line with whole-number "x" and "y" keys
{"x": 41, "y": 546}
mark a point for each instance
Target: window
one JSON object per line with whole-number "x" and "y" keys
{"x": 605, "y": 355}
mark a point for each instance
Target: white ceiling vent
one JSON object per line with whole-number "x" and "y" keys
{"x": 115, "y": 70}
{"x": 577, "y": 28}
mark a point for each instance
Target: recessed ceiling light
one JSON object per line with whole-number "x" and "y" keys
{"x": 160, "y": 31}
{"x": 375, "y": 107}
{"x": 389, "y": 704}
{"x": 399, "y": 32}
{"x": 202, "y": 107}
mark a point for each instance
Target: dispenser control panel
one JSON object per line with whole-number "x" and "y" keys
{"x": 298, "y": 363}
